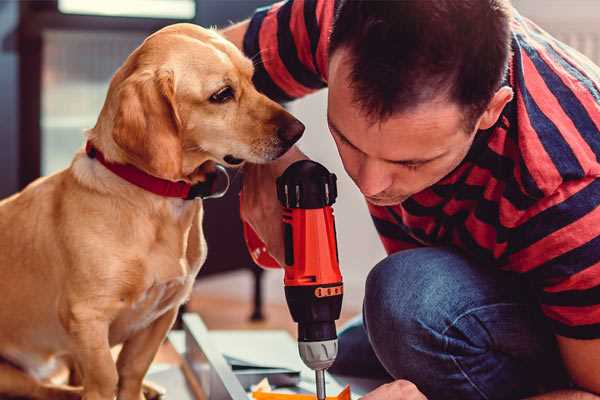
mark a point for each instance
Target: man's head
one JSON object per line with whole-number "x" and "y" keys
{"x": 410, "y": 84}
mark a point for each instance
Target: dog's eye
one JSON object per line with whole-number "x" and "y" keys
{"x": 223, "y": 95}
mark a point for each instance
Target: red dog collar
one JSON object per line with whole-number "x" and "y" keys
{"x": 161, "y": 187}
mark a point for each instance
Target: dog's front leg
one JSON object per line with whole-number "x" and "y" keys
{"x": 92, "y": 353}
{"x": 137, "y": 355}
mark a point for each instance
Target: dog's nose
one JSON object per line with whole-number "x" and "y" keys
{"x": 291, "y": 132}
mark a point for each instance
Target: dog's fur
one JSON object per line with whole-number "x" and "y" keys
{"x": 87, "y": 260}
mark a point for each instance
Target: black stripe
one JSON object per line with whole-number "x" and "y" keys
{"x": 502, "y": 169}
{"x": 585, "y": 332}
{"x": 572, "y": 298}
{"x": 555, "y": 217}
{"x": 567, "y": 264}
{"x": 289, "y": 53}
{"x": 312, "y": 28}
{"x": 392, "y": 231}
{"x": 567, "y": 99}
{"x": 554, "y": 143}
{"x": 261, "y": 78}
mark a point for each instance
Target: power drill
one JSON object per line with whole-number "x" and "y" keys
{"x": 313, "y": 282}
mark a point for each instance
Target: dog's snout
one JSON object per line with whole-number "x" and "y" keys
{"x": 291, "y": 132}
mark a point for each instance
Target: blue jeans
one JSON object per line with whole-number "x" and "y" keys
{"x": 455, "y": 329}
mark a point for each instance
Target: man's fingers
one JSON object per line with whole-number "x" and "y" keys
{"x": 397, "y": 390}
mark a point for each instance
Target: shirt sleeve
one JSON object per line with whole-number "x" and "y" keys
{"x": 558, "y": 249}
{"x": 288, "y": 43}
{"x": 392, "y": 236}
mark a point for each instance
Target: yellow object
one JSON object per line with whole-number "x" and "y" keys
{"x": 262, "y": 395}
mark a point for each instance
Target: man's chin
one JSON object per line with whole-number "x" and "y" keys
{"x": 385, "y": 202}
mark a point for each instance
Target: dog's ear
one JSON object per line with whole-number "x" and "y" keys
{"x": 147, "y": 125}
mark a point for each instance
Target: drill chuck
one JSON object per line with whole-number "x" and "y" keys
{"x": 318, "y": 355}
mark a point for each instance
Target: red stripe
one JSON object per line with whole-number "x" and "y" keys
{"x": 325, "y": 21}
{"x": 427, "y": 198}
{"x": 426, "y": 223}
{"x": 379, "y": 212}
{"x": 573, "y": 316}
{"x": 267, "y": 39}
{"x": 484, "y": 235}
{"x": 586, "y": 279}
{"x": 553, "y": 110}
{"x": 300, "y": 35}
{"x": 393, "y": 245}
{"x": 558, "y": 242}
{"x": 542, "y": 169}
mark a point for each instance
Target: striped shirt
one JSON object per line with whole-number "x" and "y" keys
{"x": 526, "y": 197}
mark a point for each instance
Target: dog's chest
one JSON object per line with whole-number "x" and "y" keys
{"x": 167, "y": 273}
{"x": 142, "y": 310}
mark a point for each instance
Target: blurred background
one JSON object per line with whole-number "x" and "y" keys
{"x": 56, "y": 60}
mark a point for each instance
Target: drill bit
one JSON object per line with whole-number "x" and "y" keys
{"x": 320, "y": 379}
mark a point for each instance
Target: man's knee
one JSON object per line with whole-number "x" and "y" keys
{"x": 404, "y": 308}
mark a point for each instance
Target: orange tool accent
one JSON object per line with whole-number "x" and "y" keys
{"x": 256, "y": 247}
{"x": 314, "y": 259}
{"x": 343, "y": 395}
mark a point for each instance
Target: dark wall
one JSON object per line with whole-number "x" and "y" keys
{"x": 9, "y": 101}
{"x": 221, "y": 13}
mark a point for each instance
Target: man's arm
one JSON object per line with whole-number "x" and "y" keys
{"x": 582, "y": 360}
{"x": 555, "y": 245}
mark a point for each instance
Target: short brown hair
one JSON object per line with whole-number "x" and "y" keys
{"x": 406, "y": 52}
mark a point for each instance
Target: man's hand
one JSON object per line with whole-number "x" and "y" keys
{"x": 260, "y": 207}
{"x": 397, "y": 390}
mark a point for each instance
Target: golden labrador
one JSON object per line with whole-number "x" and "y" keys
{"x": 89, "y": 260}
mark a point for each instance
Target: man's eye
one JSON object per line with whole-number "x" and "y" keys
{"x": 222, "y": 96}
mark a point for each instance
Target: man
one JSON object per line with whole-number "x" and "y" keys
{"x": 474, "y": 137}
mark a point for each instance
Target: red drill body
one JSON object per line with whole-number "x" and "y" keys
{"x": 313, "y": 282}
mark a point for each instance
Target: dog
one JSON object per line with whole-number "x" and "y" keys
{"x": 90, "y": 259}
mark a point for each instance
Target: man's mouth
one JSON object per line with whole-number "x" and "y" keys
{"x": 229, "y": 159}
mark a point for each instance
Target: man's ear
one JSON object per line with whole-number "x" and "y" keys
{"x": 147, "y": 125}
{"x": 502, "y": 97}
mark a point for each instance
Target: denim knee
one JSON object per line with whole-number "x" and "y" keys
{"x": 455, "y": 329}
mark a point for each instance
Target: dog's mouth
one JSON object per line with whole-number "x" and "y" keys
{"x": 229, "y": 159}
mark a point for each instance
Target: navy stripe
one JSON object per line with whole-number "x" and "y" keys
{"x": 567, "y": 99}
{"x": 567, "y": 264}
{"x": 391, "y": 231}
{"x": 312, "y": 28}
{"x": 547, "y": 41}
{"x": 289, "y": 53}
{"x": 572, "y": 298}
{"x": 573, "y": 69}
{"x": 556, "y": 217}
{"x": 551, "y": 138}
{"x": 451, "y": 224}
{"x": 585, "y": 332}
{"x": 261, "y": 78}
{"x": 418, "y": 234}
{"x": 529, "y": 183}
{"x": 591, "y": 68}
{"x": 483, "y": 256}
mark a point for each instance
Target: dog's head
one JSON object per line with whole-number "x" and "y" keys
{"x": 185, "y": 97}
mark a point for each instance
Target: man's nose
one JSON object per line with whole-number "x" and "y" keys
{"x": 372, "y": 178}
